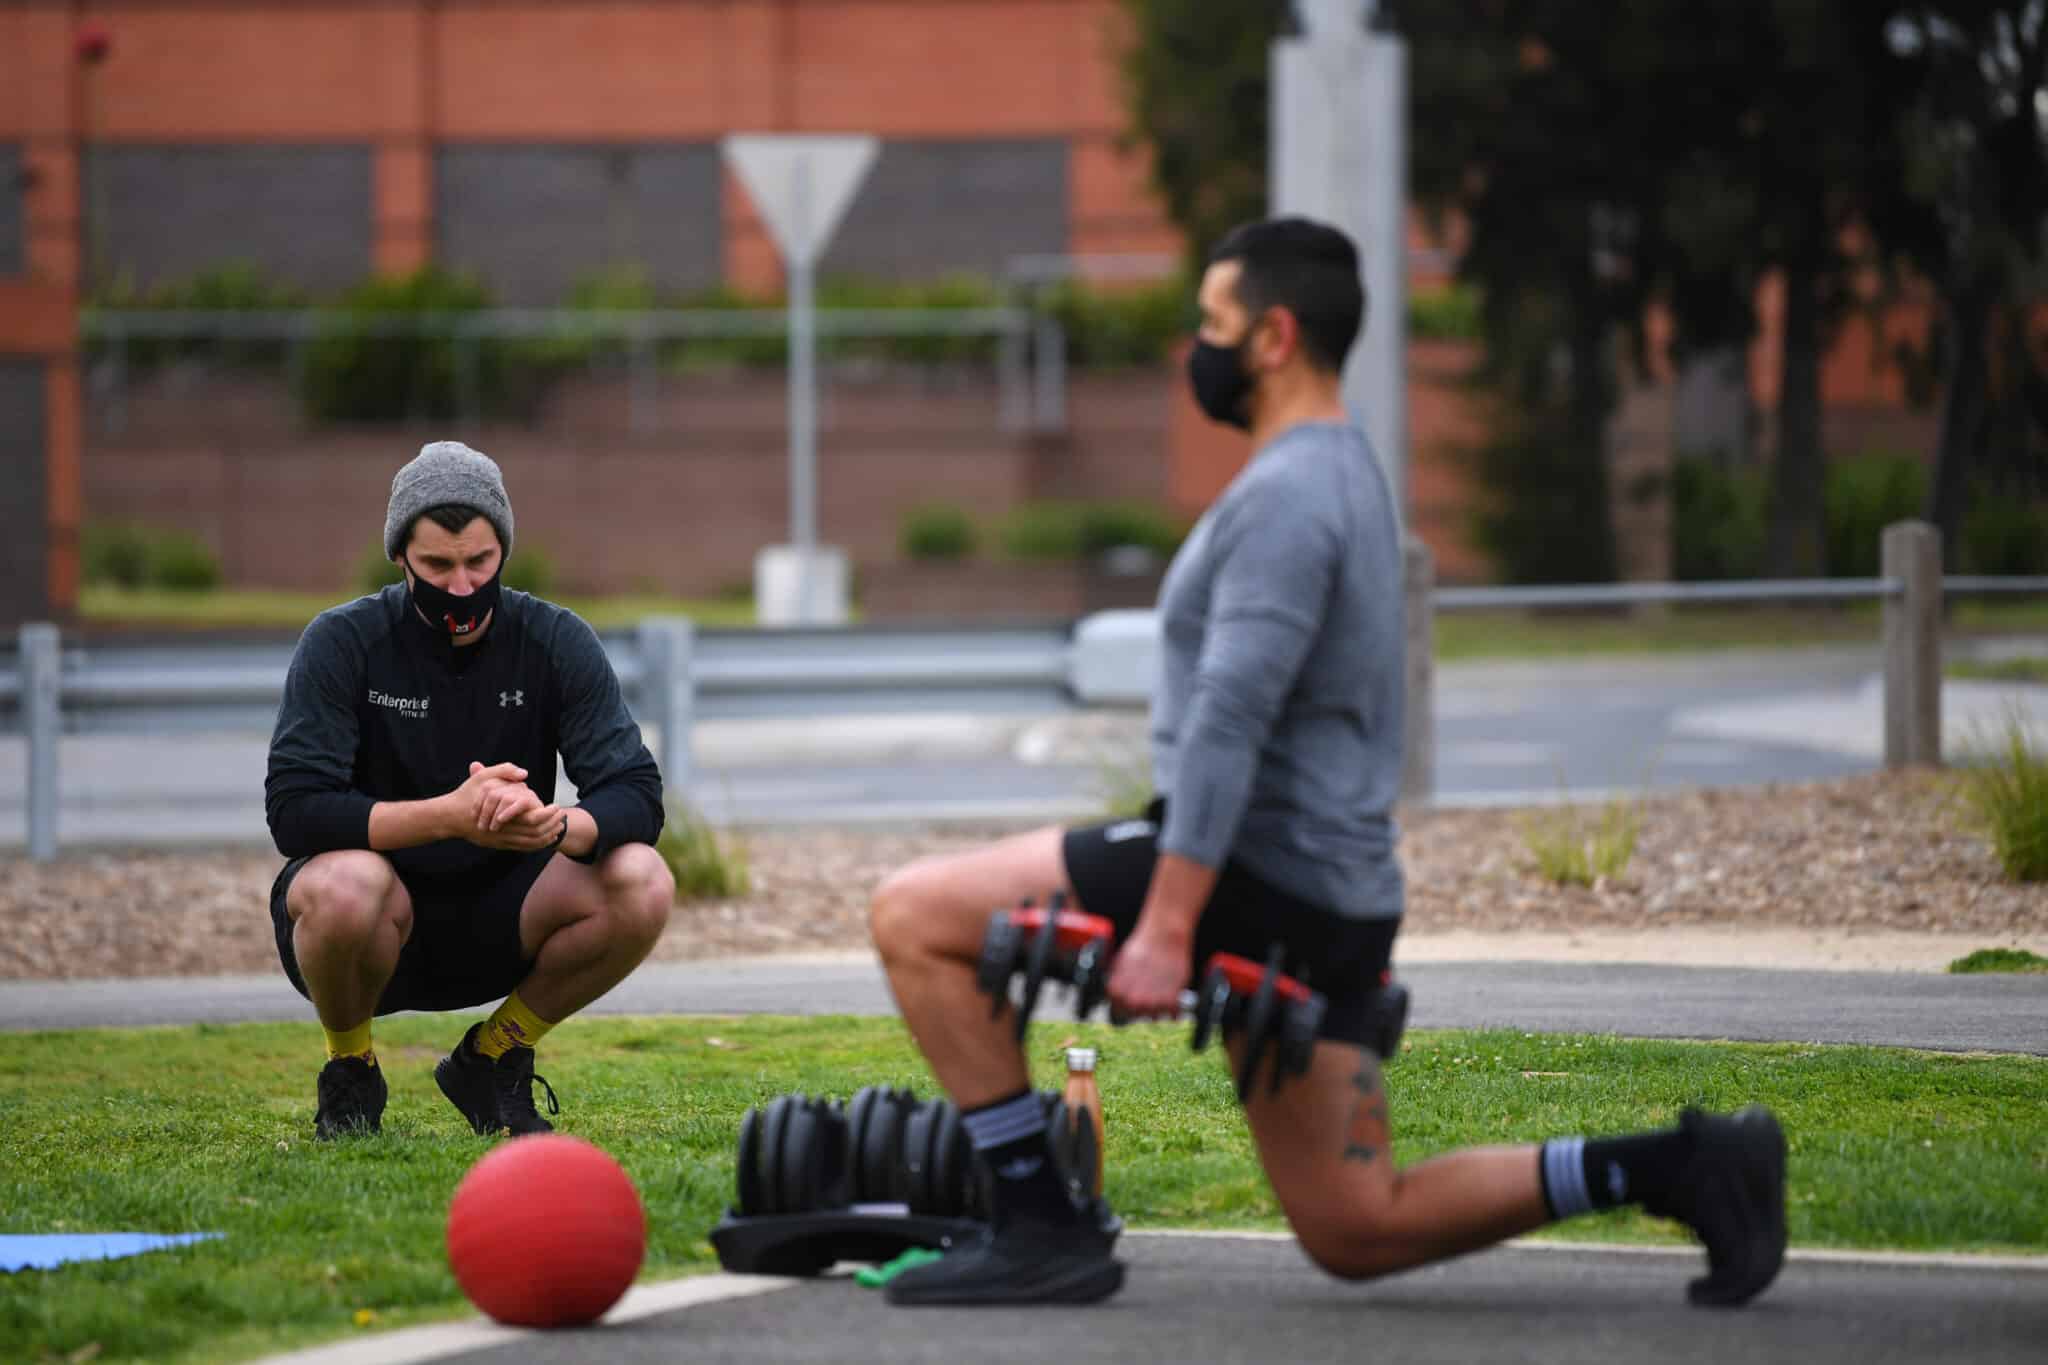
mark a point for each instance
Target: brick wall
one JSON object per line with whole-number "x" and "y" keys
{"x": 286, "y": 507}
{"x": 1033, "y": 83}
{"x": 164, "y": 212}
{"x": 533, "y": 220}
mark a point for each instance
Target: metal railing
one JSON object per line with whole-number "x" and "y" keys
{"x": 674, "y": 674}
{"x": 1026, "y": 402}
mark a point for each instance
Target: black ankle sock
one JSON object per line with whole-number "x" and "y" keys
{"x": 1009, "y": 1136}
{"x": 1584, "y": 1174}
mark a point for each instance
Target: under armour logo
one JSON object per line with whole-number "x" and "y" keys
{"x": 506, "y": 699}
{"x": 1022, "y": 1168}
{"x": 1127, "y": 830}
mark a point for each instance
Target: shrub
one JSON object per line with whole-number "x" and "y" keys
{"x": 1717, "y": 520}
{"x": 2004, "y": 534}
{"x": 374, "y": 572}
{"x": 1122, "y": 328}
{"x": 234, "y": 287}
{"x": 1449, "y": 313}
{"x": 1041, "y": 531}
{"x": 358, "y": 372}
{"x": 704, "y": 866}
{"x": 938, "y": 531}
{"x": 1541, "y": 511}
{"x": 530, "y": 568}
{"x": 115, "y": 554}
{"x": 1109, "y": 525}
{"x": 2006, "y": 798}
{"x": 181, "y": 562}
{"x": 1864, "y": 495}
{"x": 1570, "y": 854}
{"x": 134, "y": 556}
{"x": 1078, "y": 530}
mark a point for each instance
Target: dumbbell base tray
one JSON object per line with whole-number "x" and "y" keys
{"x": 811, "y": 1243}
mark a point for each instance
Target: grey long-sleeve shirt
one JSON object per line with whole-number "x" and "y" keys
{"x": 1276, "y": 719}
{"x": 378, "y": 708}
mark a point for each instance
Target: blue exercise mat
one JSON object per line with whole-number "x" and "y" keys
{"x": 47, "y": 1251}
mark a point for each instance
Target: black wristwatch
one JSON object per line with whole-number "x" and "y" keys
{"x": 560, "y": 834}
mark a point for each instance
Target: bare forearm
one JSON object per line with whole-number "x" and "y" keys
{"x": 408, "y": 824}
{"x": 1173, "y": 905}
{"x": 582, "y": 835}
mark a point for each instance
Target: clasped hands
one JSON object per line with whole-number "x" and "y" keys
{"x": 494, "y": 808}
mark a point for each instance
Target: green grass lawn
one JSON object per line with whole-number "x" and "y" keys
{"x": 1474, "y": 635}
{"x": 2000, "y": 960}
{"x": 209, "y": 1129}
{"x": 2029, "y": 670}
{"x": 1460, "y": 635}
{"x": 267, "y": 609}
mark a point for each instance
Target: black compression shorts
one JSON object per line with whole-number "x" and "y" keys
{"x": 464, "y": 949}
{"x": 1110, "y": 868}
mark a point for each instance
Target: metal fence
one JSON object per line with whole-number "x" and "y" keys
{"x": 673, "y": 673}
{"x": 1029, "y": 347}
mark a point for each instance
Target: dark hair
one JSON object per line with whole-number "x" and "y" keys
{"x": 450, "y": 517}
{"x": 1308, "y": 268}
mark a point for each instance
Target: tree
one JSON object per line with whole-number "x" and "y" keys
{"x": 1539, "y": 123}
{"x": 1778, "y": 150}
{"x": 1964, "y": 196}
{"x": 1195, "y": 79}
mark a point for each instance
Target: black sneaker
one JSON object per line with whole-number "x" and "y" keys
{"x": 352, "y": 1094}
{"x": 1732, "y": 1194}
{"x": 494, "y": 1095}
{"x": 1022, "y": 1260}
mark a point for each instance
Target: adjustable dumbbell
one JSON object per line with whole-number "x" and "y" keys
{"x": 1050, "y": 944}
{"x": 1276, "y": 1011}
{"x": 938, "y": 1170}
{"x": 1272, "y": 1010}
{"x": 874, "y": 1137}
{"x": 792, "y": 1157}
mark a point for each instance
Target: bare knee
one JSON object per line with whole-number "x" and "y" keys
{"x": 899, "y": 914}
{"x": 639, "y": 891}
{"x": 344, "y": 899}
{"x": 1356, "y": 1242}
{"x": 1356, "y": 1252}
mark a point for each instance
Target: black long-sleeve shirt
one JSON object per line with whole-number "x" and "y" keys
{"x": 376, "y": 708}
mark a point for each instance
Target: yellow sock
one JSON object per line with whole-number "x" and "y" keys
{"x": 350, "y": 1042}
{"x": 511, "y": 1025}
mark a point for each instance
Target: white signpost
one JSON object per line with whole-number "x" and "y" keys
{"x": 801, "y": 186}
{"x": 1340, "y": 155}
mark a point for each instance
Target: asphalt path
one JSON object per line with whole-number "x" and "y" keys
{"x": 1233, "y": 1299}
{"x": 1505, "y": 733}
{"x": 1974, "y": 1013}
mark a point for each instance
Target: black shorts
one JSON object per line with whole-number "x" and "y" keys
{"x": 1110, "y": 868}
{"x": 464, "y": 948}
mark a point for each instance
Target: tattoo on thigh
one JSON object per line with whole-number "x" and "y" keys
{"x": 1365, "y": 1137}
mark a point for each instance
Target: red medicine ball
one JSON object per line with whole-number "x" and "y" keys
{"x": 546, "y": 1231}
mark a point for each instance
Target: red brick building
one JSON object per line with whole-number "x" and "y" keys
{"x": 533, "y": 142}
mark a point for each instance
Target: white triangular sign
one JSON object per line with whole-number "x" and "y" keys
{"x": 801, "y": 185}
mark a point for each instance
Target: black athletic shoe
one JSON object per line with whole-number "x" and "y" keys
{"x": 494, "y": 1095}
{"x": 1022, "y": 1260}
{"x": 1732, "y": 1194}
{"x": 352, "y": 1093}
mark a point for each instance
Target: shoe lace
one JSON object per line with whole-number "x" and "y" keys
{"x": 515, "y": 1079}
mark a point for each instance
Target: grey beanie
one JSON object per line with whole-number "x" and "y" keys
{"x": 446, "y": 472}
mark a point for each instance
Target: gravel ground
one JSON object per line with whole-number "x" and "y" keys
{"x": 1886, "y": 857}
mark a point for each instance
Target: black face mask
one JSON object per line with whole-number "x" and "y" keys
{"x": 455, "y": 618}
{"x": 1221, "y": 383}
